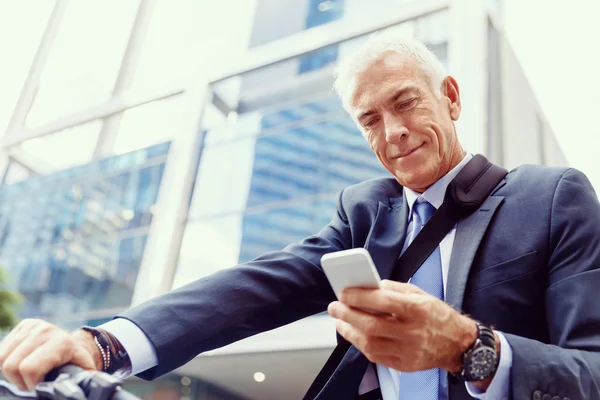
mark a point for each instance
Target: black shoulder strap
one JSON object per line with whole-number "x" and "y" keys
{"x": 465, "y": 194}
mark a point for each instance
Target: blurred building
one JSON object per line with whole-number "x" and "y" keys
{"x": 132, "y": 165}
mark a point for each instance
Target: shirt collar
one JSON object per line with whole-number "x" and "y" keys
{"x": 436, "y": 192}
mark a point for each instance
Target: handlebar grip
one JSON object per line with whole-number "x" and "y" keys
{"x": 94, "y": 384}
{"x": 69, "y": 369}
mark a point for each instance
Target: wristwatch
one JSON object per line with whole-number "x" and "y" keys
{"x": 481, "y": 360}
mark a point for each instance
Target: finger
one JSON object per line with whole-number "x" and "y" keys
{"x": 348, "y": 332}
{"x": 385, "y": 301}
{"x": 396, "y": 362}
{"x": 368, "y": 324}
{"x": 14, "y": 338}
{"x": 54, "y": 353}
{"x": 372, "y": 348}
{"x": 11, "y": 368}
{"x": 400, "y": 287}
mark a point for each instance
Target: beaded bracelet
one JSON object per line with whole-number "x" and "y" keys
{"x": 115, "y": 359}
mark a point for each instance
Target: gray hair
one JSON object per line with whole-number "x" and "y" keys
{"x": 378, "y": 44}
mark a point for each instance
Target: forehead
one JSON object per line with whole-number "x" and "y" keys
{"x": 384, "y": 76}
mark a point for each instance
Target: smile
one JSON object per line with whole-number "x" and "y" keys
{"x": 402, "y": 155}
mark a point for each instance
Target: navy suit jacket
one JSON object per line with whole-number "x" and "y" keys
{"x": 527, "y": 262}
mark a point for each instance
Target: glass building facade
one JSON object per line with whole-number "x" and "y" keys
{"x": 72, "y": 241}
{"x": 137, "y": 145}
{"x": 282, "y": 161}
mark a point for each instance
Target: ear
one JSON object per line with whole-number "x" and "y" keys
{"x": 451, "y": 92}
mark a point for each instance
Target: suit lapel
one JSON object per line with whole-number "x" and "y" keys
{"x": 346, "y": 379}
{"x": 386, "y": 238}
{"x": 384, "y": 243}
{"x": 469, "y": 233}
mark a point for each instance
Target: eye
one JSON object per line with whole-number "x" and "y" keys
{"x": 405, "y": 104}
{"x": 370, "y": 123}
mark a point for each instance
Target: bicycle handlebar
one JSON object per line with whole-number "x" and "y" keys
{"x": 69, "y": 369}
{"x": 71, "y": 382}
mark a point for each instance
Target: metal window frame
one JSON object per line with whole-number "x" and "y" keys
{"x": 159, "y": 262}
{"x": 29, "y": 90}
{"x": 256, "y": 58}
{"x": 159, "y": 265}
{"x": 105, "y": 109}
{"x": 110, "y": 128}
{"x": 318, "y": 37}
{"x": 30, "y": 86}
{"x": 111, "y": 109}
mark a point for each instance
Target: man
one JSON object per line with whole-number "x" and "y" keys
{"x": 525, "y": 265}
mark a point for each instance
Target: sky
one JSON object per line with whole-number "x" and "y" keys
{"x": 558, "y": 45}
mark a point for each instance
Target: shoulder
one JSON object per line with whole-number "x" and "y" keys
{"x": 360, "y": 202}
{"x": 372, "y": 191}
{"x": 545, "y": 187}
{"x": 540, "y": 177}
{"x": 527, "y": 173}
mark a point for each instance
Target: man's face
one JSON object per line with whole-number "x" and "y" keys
{"x": 409, "y": 127}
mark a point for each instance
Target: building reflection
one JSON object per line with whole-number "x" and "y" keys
{"x": 72, "y": 241}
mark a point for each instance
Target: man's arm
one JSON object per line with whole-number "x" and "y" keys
{"x": 139, "y": 349}
{"x": 570, "y": 366}
{"x": 271, "y": 291}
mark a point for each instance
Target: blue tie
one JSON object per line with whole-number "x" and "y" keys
{"x": 424, "y": 385}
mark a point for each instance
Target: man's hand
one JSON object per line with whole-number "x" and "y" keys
{"x": 34, "y": 347}
{"x": 405, "y": 328}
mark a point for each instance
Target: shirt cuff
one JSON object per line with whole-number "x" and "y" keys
{"x": 135, "y": 342}
{"x": 499, "y": 388}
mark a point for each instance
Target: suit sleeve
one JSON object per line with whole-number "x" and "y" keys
{"x": 271, "y": 291}
{"x": 569, "y": 367}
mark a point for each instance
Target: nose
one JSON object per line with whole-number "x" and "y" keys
{"x": 395, "y": 130}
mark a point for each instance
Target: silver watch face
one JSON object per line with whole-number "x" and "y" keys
{"x": 480, "y": 364}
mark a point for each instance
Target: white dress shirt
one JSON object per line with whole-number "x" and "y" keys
{"x": 388, "y": 378}
{"x": 143, "y": 356}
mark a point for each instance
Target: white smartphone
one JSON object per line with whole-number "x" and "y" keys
{"x": 350, "y": 268}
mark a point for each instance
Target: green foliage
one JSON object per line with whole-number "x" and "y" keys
{"x": 9, "y": 301}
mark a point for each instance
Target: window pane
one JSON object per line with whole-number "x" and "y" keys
{"x": 63, "y": 149}
{"x": 208, "y": 246}
{"x": 276, "y": 19}
{"x": 224, "y": 179}
{"x": 18, "y": 21}
{"x": 16, "y": 173}
{"x": 213, "y": 244}
{"x": 291, "y": 138}
{"x": 302, "y": 77}
{"x": 187, "y": 36}
{"x": 359, "y": 10}
{"x": 305, "y": 149}
{"x": 72, "y": 241}
{"x": 433, "y": 29}
{"x": 164, "y": 46}
{"x": 270, "y": 174}
{"x": 149, "y": 124}
{"x": 85, "y": 58}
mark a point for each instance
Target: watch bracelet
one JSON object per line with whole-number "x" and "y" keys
{"x": 487, "y": 338}
{"x": 120, "y": 363}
